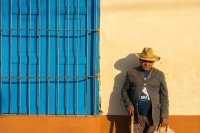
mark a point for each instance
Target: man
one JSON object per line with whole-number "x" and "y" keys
{"x": 145, "y": 94}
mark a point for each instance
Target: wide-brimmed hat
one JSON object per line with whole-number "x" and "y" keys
{"x": 147, "y": 54}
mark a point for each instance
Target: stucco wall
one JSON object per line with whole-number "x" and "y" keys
{"x": 171, "y": 28}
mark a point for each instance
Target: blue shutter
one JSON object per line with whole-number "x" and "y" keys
{"x": 49, "y": 57}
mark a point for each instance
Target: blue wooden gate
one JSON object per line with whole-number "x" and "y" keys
{"x": 49, "y": 59}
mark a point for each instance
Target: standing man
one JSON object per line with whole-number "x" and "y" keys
{"x": 145, "y": 94}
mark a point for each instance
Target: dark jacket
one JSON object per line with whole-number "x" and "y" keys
{"x": 156, "y": 87}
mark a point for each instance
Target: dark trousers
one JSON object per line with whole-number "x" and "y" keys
{"x": 145, "y": 125}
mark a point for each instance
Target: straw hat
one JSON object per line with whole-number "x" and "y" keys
{"x": 147, "y": 54}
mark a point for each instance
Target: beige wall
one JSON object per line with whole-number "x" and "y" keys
{"x": 171, "y": 28}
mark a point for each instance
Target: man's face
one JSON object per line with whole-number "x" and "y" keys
{"x": 146, "y": 65}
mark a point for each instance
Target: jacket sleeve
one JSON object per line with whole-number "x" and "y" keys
{"x": 124, "y": 92}
{"x": 164, "y": 100}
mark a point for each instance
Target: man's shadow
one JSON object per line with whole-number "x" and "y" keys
{"x": 120, "y": 123}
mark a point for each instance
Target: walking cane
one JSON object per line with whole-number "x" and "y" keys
{"x": 132, "y": 123}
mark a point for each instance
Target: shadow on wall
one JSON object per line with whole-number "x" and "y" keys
{"x": 116, "y": 110}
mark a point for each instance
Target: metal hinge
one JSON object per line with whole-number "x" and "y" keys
{"x": 97, "y": 76}
{"x": 97, "y": 31}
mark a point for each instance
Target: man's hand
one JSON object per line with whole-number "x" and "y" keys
{"x": 164, "y": 121}
{"x": 130, "y": 110}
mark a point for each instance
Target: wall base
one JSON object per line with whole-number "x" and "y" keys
{"x": 99, "y": 124}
